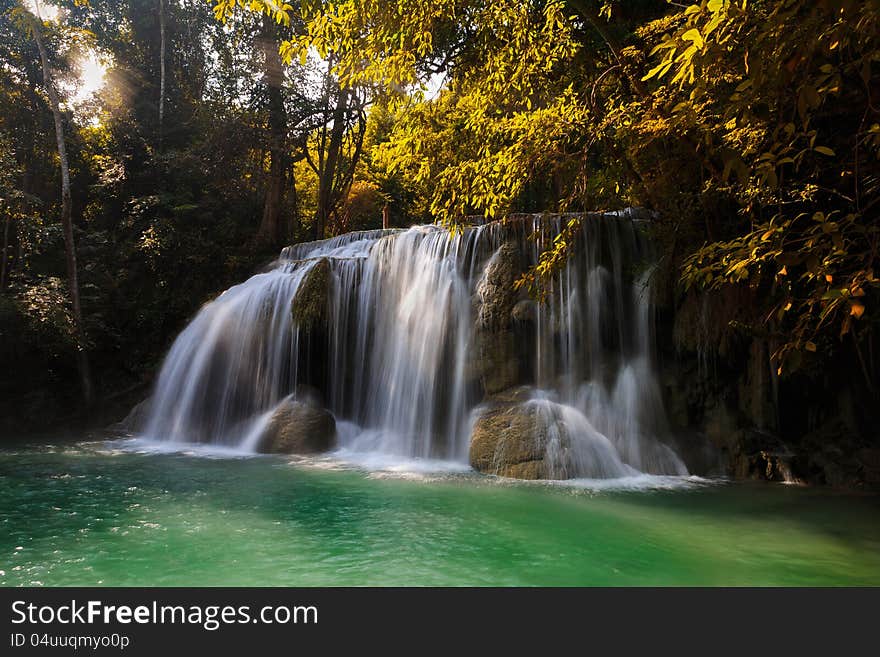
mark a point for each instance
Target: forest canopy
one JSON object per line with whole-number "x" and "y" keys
{"x": 224, "y": 129}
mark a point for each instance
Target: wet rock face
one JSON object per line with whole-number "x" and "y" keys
{"x": 311, "y": 300}
{"x": 869, "y": 458}
{"x": 508, "y": 439}
{"x": 525, "y": 311}
{"x": 762, "y": 456}
{"x": 517, "y": 434}
{"x": 496, "y": 289}
{"x": 496, "y": 357}
{"x": 299, "y": 426}
{"x": 834, "y": 455}
{"x": 726, "y": 414}
{"x": 749, "y": 453}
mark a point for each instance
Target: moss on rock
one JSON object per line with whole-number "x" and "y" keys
{"x": 310, "y": 302}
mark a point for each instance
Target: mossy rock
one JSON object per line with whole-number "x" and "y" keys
{"x": 310, "y": 303}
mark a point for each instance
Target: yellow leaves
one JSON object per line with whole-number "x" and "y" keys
{"x": 810, "y": 346}
{"x": 824, "y": 150}
{"x": 279, "y": 12}
{"x": 659, "y": 71}
{"x": 707, "y": 27}
{"x": 223, "y": 9}
{"x": 695, "y": 37}
{"x": 290, "y": 49}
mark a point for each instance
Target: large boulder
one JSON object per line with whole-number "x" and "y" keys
{"x": 527, "y": 436}
{"x": 495, "y": 355}
{"x": 509, "y": 440}
{"x": 311, "y": 300}
{"x": 298, "y": 426}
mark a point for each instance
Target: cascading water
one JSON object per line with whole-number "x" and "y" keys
{"x": 392, "y": 357}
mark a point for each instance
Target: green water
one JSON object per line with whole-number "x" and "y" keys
{"x": 86, "y": 515}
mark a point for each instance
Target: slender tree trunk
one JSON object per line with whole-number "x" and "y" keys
{"x": 161, "y": 71}
{"x": 5, "y": 260}
{"x": 344, "y": 178}
{"x": 294, "y": 220}
{"x": 326, "y": 201}
{"x": 66, "y": 220}
{"x": 271, "y": 228}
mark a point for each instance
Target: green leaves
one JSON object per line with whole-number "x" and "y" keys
{"x": 827, "y": 279}
{"x": 747, "y": 102}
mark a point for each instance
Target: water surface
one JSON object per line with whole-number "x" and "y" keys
{"x": 95, "y": 514}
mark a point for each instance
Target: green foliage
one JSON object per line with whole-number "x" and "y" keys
{"x": 772, "y": 92}
{"x": 158, "y": 231}
{"x": 362, "y": 209}
{"x": 752, "y": 127}
{"x": 737, "y": 120}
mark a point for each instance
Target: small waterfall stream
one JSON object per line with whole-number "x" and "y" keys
{"x": 393, "y": 356}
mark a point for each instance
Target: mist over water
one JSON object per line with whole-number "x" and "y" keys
{"x": 394, "y": 363}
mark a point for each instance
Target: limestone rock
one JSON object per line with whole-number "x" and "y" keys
{"x": 496, "y": 290}
{"x": 525, "y": 311}
{"x": 312, "y": 296}
{"x": 299, "y": 427}
{"x": 508, "y": 440}
{"x": 495, "y": 355}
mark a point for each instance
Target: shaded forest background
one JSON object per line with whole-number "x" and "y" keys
{"x": 226, "y": 129}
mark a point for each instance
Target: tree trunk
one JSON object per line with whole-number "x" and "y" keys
{"x": 326, "y": 201}
{"x": 161, "y": 71}
{"x": 271, "y": 228}
{"x": 294, "y": 198}
{"x": 4, "y": 262}
{"x": 66, "y": 221}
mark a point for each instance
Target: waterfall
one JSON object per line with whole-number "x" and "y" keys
{"x": 392, "y": 352}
